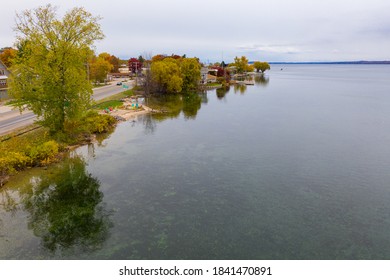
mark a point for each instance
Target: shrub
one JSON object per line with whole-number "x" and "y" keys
{"x": 11, "y": 162}
{"x": 92, "y": 122}
{"x": 45, "y": 153}
{"x": 96, "y": 123}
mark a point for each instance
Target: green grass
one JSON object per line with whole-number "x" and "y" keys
{"x": 113, "y": 100}
{"x": 108, "y": 104}
{"x": 213, "y": 84}
{"x": 16, "y": 144}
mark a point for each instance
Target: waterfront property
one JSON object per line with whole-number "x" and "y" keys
{"x": 208, "y": 75}
{"x": 4, "y": 74}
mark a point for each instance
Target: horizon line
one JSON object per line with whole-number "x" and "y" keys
{"x": 333, "y": 62}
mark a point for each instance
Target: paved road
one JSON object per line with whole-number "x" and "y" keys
{"x": 106, "y": 91}
{"x": 11, "y": 119}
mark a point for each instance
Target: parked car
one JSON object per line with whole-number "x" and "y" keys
{"x": 119, "y": 83}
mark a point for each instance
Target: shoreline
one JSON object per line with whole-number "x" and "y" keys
{"x": 126, "y": 114}
{"x": 121, "y": 115}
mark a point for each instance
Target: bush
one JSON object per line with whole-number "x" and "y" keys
{"x": 96, "y": 123}
{"x": 12, "y": 161}
{"x": 92, "y": 122}
{"x": 108, "y": 104}
{"x": 45, "y": 153}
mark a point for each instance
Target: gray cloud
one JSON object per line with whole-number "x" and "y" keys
{"x": 281, "y": 30}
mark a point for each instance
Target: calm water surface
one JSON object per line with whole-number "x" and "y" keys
{"x": 295, "y": 167}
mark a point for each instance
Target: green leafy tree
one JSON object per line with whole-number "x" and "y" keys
{"x": 49, "y": 74}
{"x": 141, "y": 59}
{"x": 261, "y": 66}
{"x": 191, "y": 105}
{"x": 166, "y": 75}
{"x": 190, "y": 73}
{"x": 175, "y": 74}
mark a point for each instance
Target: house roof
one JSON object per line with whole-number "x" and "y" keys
{"x": 2, "y": 77}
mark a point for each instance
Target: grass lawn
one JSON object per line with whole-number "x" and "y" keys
{"x": 108, "y": 104}
{"x": 113, "y": 100}
{"x": 213, "y": 84}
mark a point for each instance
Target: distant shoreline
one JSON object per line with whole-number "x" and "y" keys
{"x": 337, "y": 62}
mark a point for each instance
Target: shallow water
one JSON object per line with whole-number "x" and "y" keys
{"x": 295, "y": 167}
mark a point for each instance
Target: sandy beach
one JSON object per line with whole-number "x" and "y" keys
{"x": 127, "y": 114}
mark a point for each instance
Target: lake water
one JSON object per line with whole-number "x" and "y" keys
{"x": 295, "y": 167}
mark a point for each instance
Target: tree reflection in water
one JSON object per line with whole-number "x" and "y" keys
{"x": 221, "y": 92}
{"x": 65, "y": 208}
{"x": 240, "y": 88}
{"x": 174, "y": 104}
{"x": 191, "y": 105}
{"x": 261, "y": 80}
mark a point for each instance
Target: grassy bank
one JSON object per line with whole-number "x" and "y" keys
{"x": 34, "y": 146}
{"x": 38, "y": 148}
{"x": 119, "y": 96}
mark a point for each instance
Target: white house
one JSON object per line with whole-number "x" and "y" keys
{"x": 207, "y": 77}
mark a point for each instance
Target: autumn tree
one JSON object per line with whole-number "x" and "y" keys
{"x": 115, "y": 62}
{"x": 190, "y": 73}
{"x": 241, "y": 64}
{"x": 166, "y": 75}
{"x": 100, "y": 67}
{"x": 49, "y": 74}
{"x": 105, "y": 56}
{"x": 174, "y": 74}
{"x": 261, "y": 66}
{"x": 176, "y": 56}
{"x": 250, "y": 68}
{"x": 7, "y": 55}
{"x": 220, "y": 71}
{"x": 135, "y": 66}
{"x": 158, "y": 57}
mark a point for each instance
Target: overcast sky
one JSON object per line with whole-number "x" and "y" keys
{"x": 266, "y": 30}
